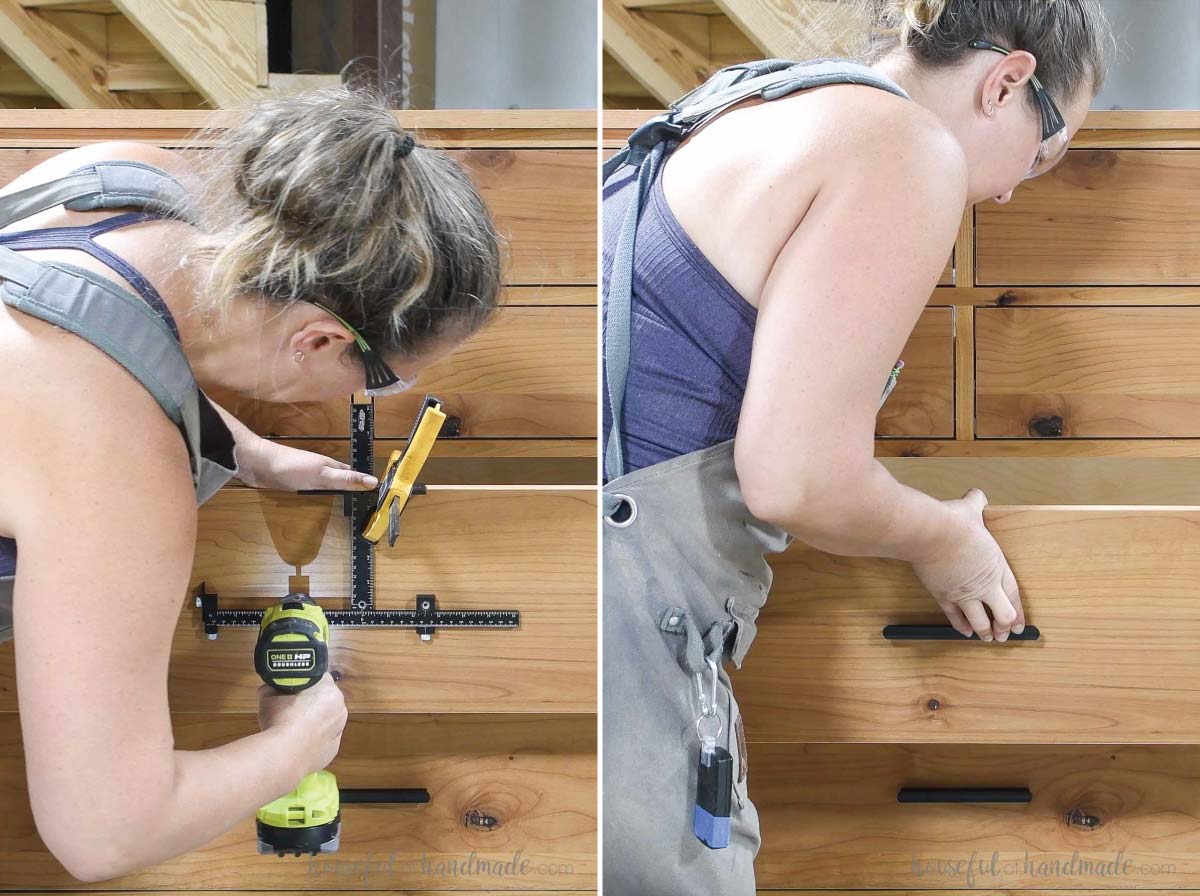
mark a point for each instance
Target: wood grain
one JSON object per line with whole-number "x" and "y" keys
{"x": 1083, "y": 296}
{"x": 664, "y": 66}
{"x": 1054, "y": 480}
{"x": 1111, "y": 588}
{"x": 530, "y": 373}
{"x": 534, "y": 551}
{"x": 1101, "y": 217}
{"x": 830, "y": 817}
{"x": 964, "y": 373}
{"x": 535, "y": 775}
{"x": 800, "y": 29}
{"x": 212, "y": 43}
{"x": 922, "y": 404}
{"x": 1088, "y": 372}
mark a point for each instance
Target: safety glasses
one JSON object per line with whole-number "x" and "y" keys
{"x": 1054, "y": 126}
{"x": 381, "y": 379}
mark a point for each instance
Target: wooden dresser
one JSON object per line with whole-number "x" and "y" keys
{"x": 1058, "y": 368}
{"x": 499, "y": 726}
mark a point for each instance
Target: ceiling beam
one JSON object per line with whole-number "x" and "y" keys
{"x": 665, "y": 66}
{"x": 801, "y": 29}
{"x": 214, "y": 44}
{"x": 66, "y": 68}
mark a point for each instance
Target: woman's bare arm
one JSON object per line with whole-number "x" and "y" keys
{"x": 837, "y": 308}
{"x": 106, "y": 525}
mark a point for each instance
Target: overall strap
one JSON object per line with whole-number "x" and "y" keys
{"x": 646, "y": 150}
{"x": 83, "y": 238}
{"x": 102, "y": 185}
{"x": 93, "y": 307}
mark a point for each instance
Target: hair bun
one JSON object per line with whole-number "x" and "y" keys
{"x": 921, "y": 15}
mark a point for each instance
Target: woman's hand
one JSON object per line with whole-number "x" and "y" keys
{"x": 269, "y": 464}
{"x": 970, "y": 572}
{"x": 315, "y": 717}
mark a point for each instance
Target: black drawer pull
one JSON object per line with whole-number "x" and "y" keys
{"x": 383, "y": 795}
{"x": 963, "y": 795}
{"x": 947, "y": 633}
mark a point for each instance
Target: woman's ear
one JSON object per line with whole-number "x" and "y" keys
{"x": 1009, "y": 78}
{"x": 315, "y": 330}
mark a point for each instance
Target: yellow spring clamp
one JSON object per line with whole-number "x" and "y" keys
{"x": 403, "y": 467}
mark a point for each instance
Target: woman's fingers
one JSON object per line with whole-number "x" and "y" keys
{"x": 977, "y": 617}
{"x": 1009, "y": 582}
{"x": 957, "y": 620}
{"x": 346, "y": 477}
{"x": 1003, "y": 613}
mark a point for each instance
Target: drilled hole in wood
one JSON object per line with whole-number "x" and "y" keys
{"x": 480, "y": 821}
{"x": 1078, "y": 818}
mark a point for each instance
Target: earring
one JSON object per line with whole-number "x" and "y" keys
{"x": 298, "y": 356}
{"x": 990, "y": 110}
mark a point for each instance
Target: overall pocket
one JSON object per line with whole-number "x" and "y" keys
{"x": 696, "y": 652}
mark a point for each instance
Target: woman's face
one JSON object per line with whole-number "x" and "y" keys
{"x": 1010, "y": 151}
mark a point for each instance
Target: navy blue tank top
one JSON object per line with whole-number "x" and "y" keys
{"x": 82, "y": 237}
{"x": 690, "y": 335}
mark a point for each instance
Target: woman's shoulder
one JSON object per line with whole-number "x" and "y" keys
{"x": 69, "y": 412}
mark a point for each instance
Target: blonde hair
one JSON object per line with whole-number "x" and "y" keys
{"x": 322, "y": 196}
{"x": 1071, "y": 39}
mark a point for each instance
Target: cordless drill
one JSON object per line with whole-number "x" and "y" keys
{"x": 291, "y": 654}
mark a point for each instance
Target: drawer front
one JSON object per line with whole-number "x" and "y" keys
{"x": 533, "y": 551}
{"x": 1112, "y": 590}
{"x": 498, "y": 786}
{"x": 1100, "y": 817}
{"x": 1087, "y": 372}
{"x": 530, "y": 373}
{"x": 543, "y": 202}
{"x": 1102, "y": 216}
{"x": 922, "y": 404}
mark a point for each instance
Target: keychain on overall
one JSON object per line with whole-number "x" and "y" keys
{"x": 714, "y": 773}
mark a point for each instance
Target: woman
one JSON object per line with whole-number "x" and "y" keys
{"x": 316, "y": 252}
{"x": 782, "y": 256}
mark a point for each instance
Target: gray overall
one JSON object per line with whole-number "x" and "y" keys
{"x": 684, "y": 578}
{"x": 114, "y": 319}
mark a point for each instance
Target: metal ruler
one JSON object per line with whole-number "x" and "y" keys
{"x": 358, "y": 505}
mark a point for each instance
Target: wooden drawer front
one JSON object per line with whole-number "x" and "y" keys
{"x": 543, "y": 202}
{"x": 922, "y": 404}
{"x": 484, "y": 461}
{"x": 535, "y": 775}
{"x": 534, "y": 551}
{"x": 830, "y": 817}
{"x": 531, "y": 372}
{"x": 1102, "y": 216}
{"x": 1087, "y": 372}
{"x": 1112, "y": 589}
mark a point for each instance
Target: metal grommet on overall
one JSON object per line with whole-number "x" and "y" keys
{"x": 624, "y": 513}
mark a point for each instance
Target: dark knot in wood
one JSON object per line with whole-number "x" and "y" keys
{"x": 1046, "y": 426}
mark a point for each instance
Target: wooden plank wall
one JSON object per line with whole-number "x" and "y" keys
{"x": 500, "y": 726}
